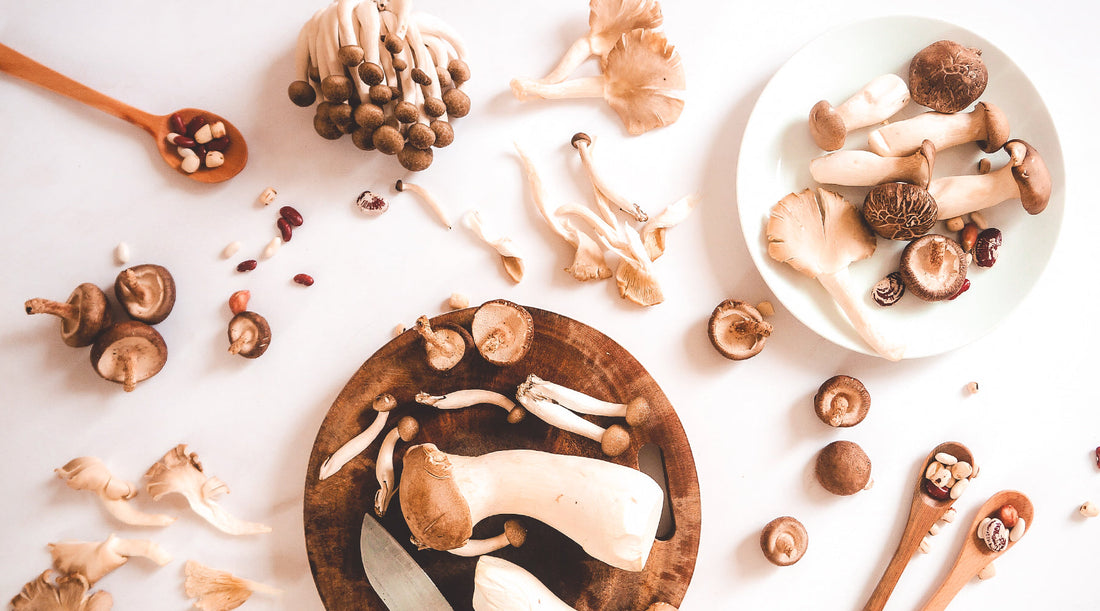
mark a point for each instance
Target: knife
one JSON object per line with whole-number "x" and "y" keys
{"x": 396, "y": 578}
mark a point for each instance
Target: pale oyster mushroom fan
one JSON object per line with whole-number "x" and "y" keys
{"x": 607, "y": 21}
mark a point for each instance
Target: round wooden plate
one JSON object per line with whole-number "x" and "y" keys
{"x": 564, "y": 351}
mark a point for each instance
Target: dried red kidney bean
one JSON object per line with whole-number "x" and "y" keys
{"x": 291, "y": 215}
{"x": 304, "y": 279}
{"x": 935, "y": 491}
{"x": 175, "y": 124}
{"x": 285, "y": 229}
{"x": 986, "y": 247}
{"x": 1098, "y": 457}
{"x": 218, "y": 144}
{"x": 962, "y": 289}
{"x": 247, "y": 266}
{"x": 180, "y": 140}
{"x": 195, "y": 124}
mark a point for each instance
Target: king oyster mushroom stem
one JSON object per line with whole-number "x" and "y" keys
{"x": 217, "y": 590}
{"x": 588, "y": 260}
{"x": 69, "y": 593}
{"x": 866, "y": 169}
{"x": 89, "y": 473}
{"x": 877, "y": 101}
{"x": 510, "y": 257}
{"x": 1025, "y": 177}
{"x": 500, "y": 585}
{"x": 608, "y": 20}
{"x": 583, "y": 142}
{"x": 640, "y": 80}
{"x": 95, "y": 559}
{"x": 986, "y": 125}
{"x": 653, "y": 232}
{"x": 635, "y": 412}
{"x": 458, "y": 399}
{"x": 181, "y": 473}
{"x": 613, "y": 440}
{"x": 610, "y": 510}
{"x": 382, "y": 405}
{"x": 514, "y": 534}
{"x": 406, "y": 429}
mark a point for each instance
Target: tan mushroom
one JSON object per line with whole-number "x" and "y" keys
{"x": 933, "y": 267}
{"x": 249, "y": 335}
{"x": 68, "y": 593}
{"x": 986, "y": 124}
{"x": 947, "y": 76}
{"x": 865, "y": 169}
{"x": 84, "y": 315}
{"x": 511, "y": 258}
{"x": 89, "y": 473}
{"x": 515, "y": 534}
{"x": 843, "y": 468}
{"x": 383, "y": 404}
{"x": 784, "y": 541}
{"x": 445, "y": 345}
{"x": 603, "y": 191}
{"x": 147, "y": 292}
{"x": 842, "y": 401}
{"x": 737, "y": 330}
{"x": 216, "y": 590}
{"x": 406, "y": 429}
{"x": 1025, "y": 177}
{"x": 95, "y": 559}
{"x": 129, "y": 352}
{"x": 877, "y": 101}
{"x": 502, "y": 331}
{"x": 900, "y": 211}
{"x": 653, "y": 232}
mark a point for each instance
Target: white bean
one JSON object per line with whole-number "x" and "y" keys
{"x": 122, "y": 253}
{"x": 946, "y": 458}
{"x": 959, "y": 488}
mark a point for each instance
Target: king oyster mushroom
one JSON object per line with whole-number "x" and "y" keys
{"x": 129, "y": 352}
{"x": 864, "y": 168}
{"x": 900, "y": 211}
{"x": 84, "y": 315}
{"x": 737, "y": 330}
{"x": 843, "y": 468}
{"x": 946, "y": 76}
{"x": 445, "y": 344}
{"x": 147, "y": 291}
{"x": 986, "y": 124}
{"x": 933, "y": 267}
{"x": 784, "y": 541}
{"x": 1025, "y": 176}
{"x": 249, "y": 334}
{"x": 502, "y": 331}
{"x": 842, "y": 401}
{"x": 877, "y": 101}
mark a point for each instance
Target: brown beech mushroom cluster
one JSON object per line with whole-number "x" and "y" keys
{"x": 387, "y": 76}
{"x": 737, "y": 330}
{"x": 843, "y": 468}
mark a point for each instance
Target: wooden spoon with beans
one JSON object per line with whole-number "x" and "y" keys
{"x": 235, "y": 154}
{"x": 924, "y": 511}
{"x": 975, "y": 554}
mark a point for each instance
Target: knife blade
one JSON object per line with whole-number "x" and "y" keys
{"x": 395, "y": 576}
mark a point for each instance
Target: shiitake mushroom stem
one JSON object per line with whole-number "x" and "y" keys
{"x": 128, "y": 360}
{"x": 838, "y": 409}
{"x": 936, "y": 252}
{"x": 750, "y": 327}
{"x": 130, "y": 282}
{"x": 246, "y": 336}
{"x": 55, "y": 308}
{"x": 424, "y": 328}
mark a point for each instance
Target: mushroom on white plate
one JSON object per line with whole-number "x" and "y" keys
{"x": 1024, "y": 177}
{"x": 986, "y": 125}
{"x": 877, "y": 101}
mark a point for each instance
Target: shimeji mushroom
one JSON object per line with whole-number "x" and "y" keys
{"x": 635, "y": 411}
{"x": 216, "y": 590}
{"x": 426, "y": 197}
{"x": 877, "y": 101}
{"x": 181, "y": 473}
{"x": 445, "y": 345}
{"x": 383, "y": 404}
{"x": 653, "y": 232}
{"x": 640, "y": 78}
{"x": 249, "y": 334}
{"x": 458, "y": 399}
{"x": 610, "y": 510}
{"x": 129, "y": 352}
{"x": 502, "y": 331}
{"x": 865, "y": 169}
{"x": 147, "y": 292}
{"x": 613, "y": 440}
{"x": 820, "y": 236}
{"x": 604, "y": 193}
{"x": 69, "y": 593}
{"x": 510, "y": 256}
{"x": 1025, "y": 177}
{"x": 89, "y": 473}
{"x": 84, "y": 315}
{"x": 335, "y": 86}
{"x": 94, "y": 559}
{"x": 986, "y": 125}
{"x": 500, "y": 585}
{"x": 369, "y": 30}
{"x": 406, "y": 429}
{"x": 514, "y": 534}
{"x": 301, "y": 91}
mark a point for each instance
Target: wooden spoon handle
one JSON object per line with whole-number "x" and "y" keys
{"x": 948, "y": 589}
{"x": 906, "y": 548}
{"x": 17, "y": 64}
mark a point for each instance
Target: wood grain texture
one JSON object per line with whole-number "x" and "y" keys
{"x": 564, "y": 351}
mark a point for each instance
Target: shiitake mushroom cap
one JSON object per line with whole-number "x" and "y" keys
{"x": 147, "y": 292}
{"x": 737, "y": 330}
{"x": 843, "y": 468}
{"x": 502, "y": 331}
{"x": 842, "y": 401}
{"x": 947, "y": 76}
{"x": 80, "y": 328}
{"x": 784, "y": 541}
{"x": 249, "y": 334}
{"x": 129, "y": 352}
{"x": 900, "y": 211}
{"x": 927, "y": 279}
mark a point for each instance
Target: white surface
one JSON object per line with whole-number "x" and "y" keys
{"x": 76, "y": 182}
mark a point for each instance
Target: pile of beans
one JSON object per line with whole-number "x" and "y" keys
{"x": 200, "y": 143}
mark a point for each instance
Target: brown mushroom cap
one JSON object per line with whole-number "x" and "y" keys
{"x": 407, "y": 428}
{"x": 350, "y": 55}
{"x": 947, "y": 77}
{"x": 84, "y": 315}
{"x": 369, "y": 115}
{"x": 387, "y": 139}
{"x": 784, "y": 541}
{"x": 933, "y": 267}
{"x": 660, "y": 607}
{"x": 515, "y": 532}
{"x": 147, "y": 292}
{"x": 437, "y": 514}
{"x": 301, "y": 93}
{"x": 457, "y": 102}
{"x": 996, "y": 127}
{"x": 444, "y": 133}
{"x": 445, "y": 344}
{"x": 416, "y": 159}
{"x": 843, "y": 468}
{"x": 900, "y": 211}
{"x": 129, "y": 352}
{"x": 249, "y": 335}
{"x": 502, "y": 331}
{"x": 371, "y": 73}
{"x": 336, "y": 88}
{"x": 827, "y": 127}
{"x": 1032, "y": 176}
{"x": 420, "y": 136}
{"x": 615, "y": 440}
{"x": 384, "y": 403}
{"x": 842, "y": 401}
{"x": 737, "y": 330}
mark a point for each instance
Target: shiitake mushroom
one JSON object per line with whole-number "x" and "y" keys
{"x": 129, "y": 352}
{"x": 147, "y": 292}
{"x": 84, "y": 315}
{"x": 843, "y": 468}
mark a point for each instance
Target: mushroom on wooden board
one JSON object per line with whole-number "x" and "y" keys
{"x": 147, "y": 292}
{"x": 500, "y": 585}
{"x": 877, "y": 101}
{"x": 249, "y": 335}
{"x": 737, "y": 330}
{"x": 933, "y": 267}
{"x": 865, "y": 169}
{"x": 458, "y": 399}
{"x": 444, "y": 344}
{"x": 407, "y": 428}
{"x": 613, "y": 440}
{"x": 820, "y": 235}
{"x": 502, "y": 331}
{"x": 84, "y": 315}
{"x": 383, "y": 404}
{"x": 1025, "y": 176}
{"x": 842, "y": 401}
{"x": 635, "y": 411}
{"x": 784, "y": 541}
{"x": 900, "y": 211}
{"x": 514, "y": 534}
{"x": 986, "y": 125}
{"x": 947, "y": 76}
{"x": 129, "y": 352}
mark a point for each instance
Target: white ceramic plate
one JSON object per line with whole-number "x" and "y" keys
{"x": 774, "y": 160}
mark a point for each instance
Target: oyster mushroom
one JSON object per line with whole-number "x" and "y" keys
{"x": 784, "y": 541}
{"x": 864, "y": 169}
{"x": 843, "y": 468}
{"x": 406, "y": 430}
{"x": 900, "y": 211}
{"x": 510, "y": 257}
{"x": 986, "y": 124}
{"x": 877, "y": 101}
{"x": 946, "y": 76}
{"x": 445, "y": 344}
{"x": 148, "y": 292}
{"x": 89, "y": 473}
{"x": 95, "y": 559}
{"x": 933, "y": 267}
{"x": 216, "y": 590}
{"x": 129, "y": 352}
{"x": 383, "y": 404}
{"x": 842, "y": 401}
{"x": 640, "y": 78}
{"x": 68, "y": 593}
{"x": 84, "y": 315}
{"x": 249, "y": 334}
{"x": 653, "y": 232}
{"x": 1025, "y": 176}
{"x": 737, "y": 330}
{"x": 502, "y": 331}
{"x": 604, "y": 193}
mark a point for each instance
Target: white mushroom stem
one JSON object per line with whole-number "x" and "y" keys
{"x": 613, "y": 440}
{"x": 347, "y": 36}
{"x": 426, "y": 197}
{"x": 94, "y": 559}
{"x": 354, "y": 447}
{"x": 653, "y": 232}
{"x": 125, "y": 512}
{"x": 577, "y": 401}
{"x": 328, "y": 43}
{"x": 584, "y": 87}
{"x": 510, "y": 256}
{"x": 583, "y": 145}
{"x": 431, "y": 25}
{"x": 959, "y": 195}
{"x": 612, "y": 234}
{"x": 500, "y": 585}
{"x": 877, "y": 101}
{"x": 387, "y": 483}
{"x": 458, "y": 399}
{"x": 401, "y": 10}
{"x": 838, "y": 287}
{"x": 864, "y": 169}
{"x": 425, "y": 62}
{"x": 370, "y": 30}
{"x": 313, "y": 30}
{"x": 301, "y": 52}
{"x": 514, "y": 534}
{"x": 442, "y": 54}
{"x": 944, "y": 130}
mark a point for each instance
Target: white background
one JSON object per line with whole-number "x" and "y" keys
{"x": 75, "y": 182}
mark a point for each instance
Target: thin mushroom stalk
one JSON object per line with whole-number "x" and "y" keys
{"x": 426, "y": 197}
{"x": 406, "y": 429}
{"x": 653, "y": 232}
{"x": 459, "y": 399}
{"x": 635, "y": 411}
{"x": 217, "y": 590}
{"x": 608, "y": 20}
{"x": 89, "y": 473}
{"x": 514, "y": 534}
{"x": 583, "y": 143}
{"x": 510, "y": 256}
{"x": 382, "y": 404}
{"x": 613, "y": 440}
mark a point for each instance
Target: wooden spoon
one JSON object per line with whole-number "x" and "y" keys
{"x": 923, "y": 513}
{"x": 236, "y": 154}
{"x": 975, "y": 555}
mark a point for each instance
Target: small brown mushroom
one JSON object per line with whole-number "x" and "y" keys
{"x": 129, "y": 352}
{"x": 502, "y": 331}
{"x": 933, "y": 267}
{"x": 946, "y": 76}
{"x": 842, "y": 401}
{"x": 877, "y": 101}
{"x": 843, "y": 468}
{"x": 148, "y": 292}
{"x": 737, "y": 330}
{"x": 83, "y": 315}
{"x": 1025, "y": 176}
{"x": 900, "y": 211}
{"x": 784, "y": 541}
{"x": 445, "y": 344}
{"x": 249, "y": 334}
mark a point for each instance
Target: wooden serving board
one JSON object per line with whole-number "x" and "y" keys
{"x": 564, "y": 351}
